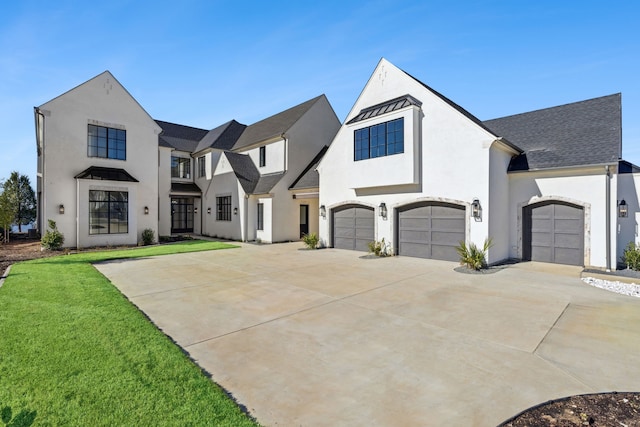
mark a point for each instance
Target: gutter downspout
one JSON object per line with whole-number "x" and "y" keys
{"x": 608, "y": 217}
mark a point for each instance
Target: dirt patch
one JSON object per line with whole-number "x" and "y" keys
{"x": 601, "y": 410}
{"x": 21, "y": 250}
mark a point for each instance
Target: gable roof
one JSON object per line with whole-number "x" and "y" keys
{"x": 249, "y": 177}
{"x": 244, "y": 169}
{"x": 309, "y": 178}
{"x": 274, "y": 126}
{"x": 223, "y": 137}
{"x": 577, "y": 134}
{"x": 180, "y": 137}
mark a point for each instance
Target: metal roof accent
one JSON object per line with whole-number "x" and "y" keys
{"x": 106, "y": 174}
{"x": 385, "y": 107}
{"x": 185, "y": 187}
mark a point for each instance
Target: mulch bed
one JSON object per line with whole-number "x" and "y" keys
{"x": 21, "y": 250}
{"x": 601, "y": 410}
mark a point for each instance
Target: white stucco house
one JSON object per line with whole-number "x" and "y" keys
{"x": 413, "y": 168}
{"x": 107, "y": 170}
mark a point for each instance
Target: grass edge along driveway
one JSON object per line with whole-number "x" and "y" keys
{"x": 75, "y": 351}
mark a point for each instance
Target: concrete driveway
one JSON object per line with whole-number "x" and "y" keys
{"x": 327, "y": 338}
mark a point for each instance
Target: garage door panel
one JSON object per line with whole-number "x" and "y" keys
{"x": 445, "y": 253}
{"x": 432, "y": 230}
{"x": 554, "y": 232}
{"x": 353, "y": 228}
{"x": 541, "y": 239}
{"x": 416, "y": 249}
{"x": 450, "y": 224}
{"x": 567, "y": 225}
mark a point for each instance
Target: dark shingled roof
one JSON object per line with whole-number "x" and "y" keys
{"x": 223, "y": 137}
{"x": 385, "y": 107}
{"x": 458, "y": 108}
{"x": 247, "y": 173}
{"x": 578, "y": 134}
{"x": 180, "y": 137}
{"x": 273, "y": 126}
{"x": 309, "y": 177}
{"x": 267, "y": 182}
{"x": 244, "y": 170}
{"x": 185, "y": 187}
{"x": 107, "y": 174}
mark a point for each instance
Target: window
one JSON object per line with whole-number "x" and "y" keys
{"x": 202, "y": 167}
{"x": 379, "y": 140}
{"x": 108, "y": 212}
{"x": 107, "y": 142}
{"x": 263, "y": 156}
{"x": 260, "y": 216}
{"x": 180, "y": 167}
{"x": 223, "y": 208}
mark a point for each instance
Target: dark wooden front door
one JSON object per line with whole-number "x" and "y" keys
{"x": 304, "y": 220}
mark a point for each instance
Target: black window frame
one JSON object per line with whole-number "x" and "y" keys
{"x": 263, "y": 156}
{"x": 111, "y": 206}
{"x": 223, "y": 208}
{"x": 176, "y": 167}
{"x": 379, "y": 140}
{"x": 106, "y": 143}
{"x": 260, "y": 217}
{"x": 202, "y": 167}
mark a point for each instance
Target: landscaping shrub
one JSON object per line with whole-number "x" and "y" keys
{"x": 311, "y": 240}
{"x": 378, "y": 248}
{"x": 147, "y": 236}
{"x": 52, "y": 239}
{"x": 631, "y": 256}
{"x": 472, "y": 256}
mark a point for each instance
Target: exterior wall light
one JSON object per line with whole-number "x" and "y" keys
{"x": 235, "y": 211}
{"x": 323, "y": 211}
{"x": 476, "y": 210}
{"x": 146, "y": 210}
{"x": 195, "y": 209}
{"x": 61, "y": 209}
{"x": 623, "y": 209}
{"x": 209, "y": 210}
{"x": 383, "y": 210}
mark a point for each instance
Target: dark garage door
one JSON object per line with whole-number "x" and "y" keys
{"x": 554, "y": 232}
{"x": 353, "y": 227}
{"x": 431, "y": 230}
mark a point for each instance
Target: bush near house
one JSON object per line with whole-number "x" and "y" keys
{"x": 147, "y": 236}
{"x": 473, "y": 257}
{"x": 311, "y": 240}
{"x": 631, "y": 256}
{"x": 53, "y": 238}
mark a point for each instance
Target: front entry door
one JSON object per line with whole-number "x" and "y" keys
{"x": 182, "y": 215}
{"x": 304, "y": 220}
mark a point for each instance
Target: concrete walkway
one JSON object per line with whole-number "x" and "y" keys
{"x": 327, "y": 338}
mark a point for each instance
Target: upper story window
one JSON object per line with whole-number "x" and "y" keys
{"x": 202, "y": 167}
{"x": 180, "y": 167}
{"x": 263, "y": 156}
{"x": 107, "y": 142}
{"x": 383, "y": 139}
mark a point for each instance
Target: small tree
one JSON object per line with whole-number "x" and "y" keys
{"x": 6, "y": 217}
{"x": 21, "y": 198}
{"x": 52, "y": 239}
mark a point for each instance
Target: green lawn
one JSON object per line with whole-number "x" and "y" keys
{"x": 75, "y": 351}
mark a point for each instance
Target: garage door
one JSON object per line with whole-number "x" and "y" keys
{"x": 554, "y": 232}
{"x": 431, "y": 230}
{"x": 353, "y": 227}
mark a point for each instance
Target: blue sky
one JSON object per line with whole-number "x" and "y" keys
{"x": 202, "y": 63}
